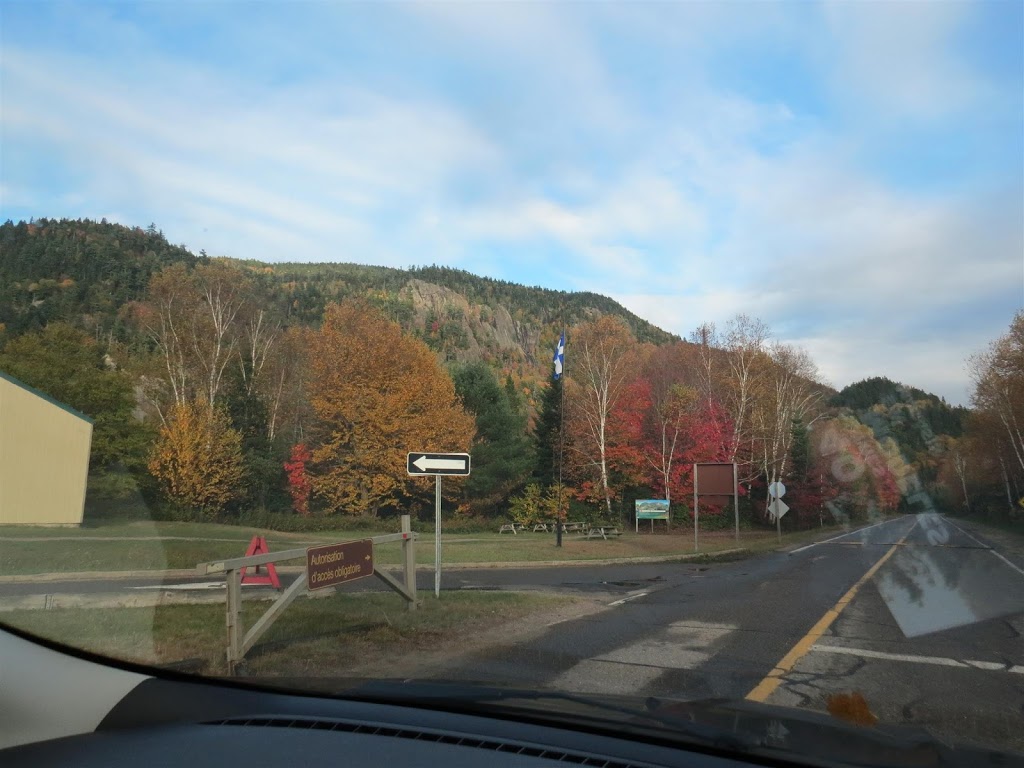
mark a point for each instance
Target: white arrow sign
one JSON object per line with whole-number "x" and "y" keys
{"x": 778, "y": 508}
{"x": 438, "y": 464}
{"x": 425, "y": 464}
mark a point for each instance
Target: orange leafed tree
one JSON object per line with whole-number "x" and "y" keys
{"x": 198, "y": 456}
{"x": 376, "y": 395}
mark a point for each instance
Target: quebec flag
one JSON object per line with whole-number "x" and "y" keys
{"x": 559, "y": 359}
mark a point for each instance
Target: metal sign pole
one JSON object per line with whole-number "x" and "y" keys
{"x": 695, "y": 513}
{"x": 437, "y": 537}
{"x": 736, "y": 500}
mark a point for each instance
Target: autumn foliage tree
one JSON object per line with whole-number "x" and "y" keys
{"x": 197, "y": 457}
{"x": 866, "y": 473}
{"x": 672, "y": 403}
{"x": 376, "y": 395}
{"x": 601, "y": 357}
{"x": 993, "y": 461}
{"x": 299, "y": 485}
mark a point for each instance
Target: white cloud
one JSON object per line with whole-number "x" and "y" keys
{"x": 295, "y": 161}
{"x": 895, "y": 57}
{"x": 936, "y": 365}
{"x": 687, "y": 202}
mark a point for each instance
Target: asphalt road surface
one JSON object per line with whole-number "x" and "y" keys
{"x": 921, "y": 615}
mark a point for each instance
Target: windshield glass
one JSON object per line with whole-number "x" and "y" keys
{"x": 643, "y": 349}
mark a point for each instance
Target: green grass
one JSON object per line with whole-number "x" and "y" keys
{"x": 162, "y": 529}
{"x": 121, "y": 547}
{"x": 312, "y": 637}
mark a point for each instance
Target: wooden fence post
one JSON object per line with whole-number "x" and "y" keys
{"x": 409, "y": 561}
{"x": 234, "y": 619}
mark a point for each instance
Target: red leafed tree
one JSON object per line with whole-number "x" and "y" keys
{"x": 670, "y": 402}
{"x": 299, "y": 485}
{"x": 866, "y": 472}
{"x": 809, "y": 492}
{"x": 626, "y": 460}
{"x": 709, "y": 436}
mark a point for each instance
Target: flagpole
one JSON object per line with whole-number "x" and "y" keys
{"x": 561, "y": 451}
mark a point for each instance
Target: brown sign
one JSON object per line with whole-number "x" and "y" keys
{"x": 335, "y": 564}
{"x": 715, "y": 480}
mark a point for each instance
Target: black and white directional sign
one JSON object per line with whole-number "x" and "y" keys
{"x": 438, "y": 464}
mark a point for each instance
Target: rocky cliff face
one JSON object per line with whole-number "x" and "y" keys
{"x": 462, "y": 330}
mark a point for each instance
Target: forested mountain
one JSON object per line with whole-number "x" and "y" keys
{"x": 81, "y": 271}
{"x": 224, "y": 387}
{"x": 922, "y": 425}
{"x": 89, "y": 273}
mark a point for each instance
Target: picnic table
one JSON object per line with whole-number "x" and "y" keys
{"x": 604, "y": 531}
{"x": 514, "y": 528}
{"x": 574, "y": 527}
{"x": 541, "y": 527}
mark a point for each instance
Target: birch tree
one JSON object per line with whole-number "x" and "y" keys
{"x": 744, "y": 344}
{"x": 672, "y": 402}
{"x": 601, "y": 362}
{"x": 998, "y": 375}
{"x": 790, "y": 394}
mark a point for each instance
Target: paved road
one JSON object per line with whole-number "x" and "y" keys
{"x": 919, "y": 615}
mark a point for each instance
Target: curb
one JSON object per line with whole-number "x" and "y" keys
{"x": 185, "y": 573}
{"x": 581, "y": 563}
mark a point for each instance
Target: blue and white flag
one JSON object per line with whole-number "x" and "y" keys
{"x": 559, "y": 359}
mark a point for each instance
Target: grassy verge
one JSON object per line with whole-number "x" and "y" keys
{"x": 125, "y": 548}
{"x": 160, "y": 528}
{"x": 318, "y": 637}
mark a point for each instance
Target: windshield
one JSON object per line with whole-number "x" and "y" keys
{"x": 672, "y": 351}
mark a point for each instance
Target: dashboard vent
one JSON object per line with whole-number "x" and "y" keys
{"x": 371, "y": 729}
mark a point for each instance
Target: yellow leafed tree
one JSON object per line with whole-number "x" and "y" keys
{"x": 376, "y": 395}
{"x": 198, "y": 456}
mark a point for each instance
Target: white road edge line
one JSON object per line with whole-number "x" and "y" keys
{"x": 844, "y": 535}
{"x": 992, "y": 666}
{"x": 625, "y": 599}
{"x": 1015, "y": 567}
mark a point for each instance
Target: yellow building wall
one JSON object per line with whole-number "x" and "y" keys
{"x": 44, "y": 460}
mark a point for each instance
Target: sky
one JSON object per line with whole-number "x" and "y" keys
{"x": 852, "y": 173}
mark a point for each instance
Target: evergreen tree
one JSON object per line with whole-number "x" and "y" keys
{"x": 800, "y": 453}
{"x": 69, "y": 366}
{"x": 502, "y": 454}
{"x": 262, "y": 464}
{"x": 547, "y": 435}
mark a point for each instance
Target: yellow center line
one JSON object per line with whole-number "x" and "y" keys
{"x": 773, "y": 679}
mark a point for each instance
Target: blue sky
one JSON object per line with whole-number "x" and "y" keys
{"x": 850, "y": 172}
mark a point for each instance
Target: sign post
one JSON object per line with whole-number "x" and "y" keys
{"x": 718, "y": 480}
{"x": 421, "y": 464}
{"x": 652, "y": 509}
{"x": 437, "y": 536}
{"x": 326, "y": 566}
{"x": 334, "y": 564}
{"x": 736, "y": 502}
{"x": 777, "y": 507}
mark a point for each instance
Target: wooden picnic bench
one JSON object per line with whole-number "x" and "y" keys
{"x": 541, "y": 527}
{"x": 512, "y": 528}
{"x": 604, "y": 531}
{"x": 574, "y": 527}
